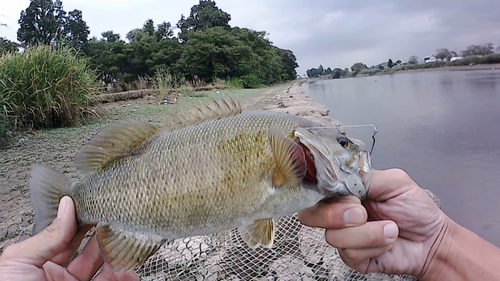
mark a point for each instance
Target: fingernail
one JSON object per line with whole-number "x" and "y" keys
{"x": 391, "y": 231}
{"x": 354, "y": 216}
{"x": 62, "y": 207}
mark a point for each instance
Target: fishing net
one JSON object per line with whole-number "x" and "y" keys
{"x": 300, "y": 253}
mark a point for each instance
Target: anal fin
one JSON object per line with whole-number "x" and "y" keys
{"x": 289, "y": 157}
{"x": 258, "y": 233}
{"x": 124, "y": 250}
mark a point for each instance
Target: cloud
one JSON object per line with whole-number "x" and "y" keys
{"x": 331, "y": 33}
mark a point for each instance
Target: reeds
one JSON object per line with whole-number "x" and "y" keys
{"x": 45, "y": 87}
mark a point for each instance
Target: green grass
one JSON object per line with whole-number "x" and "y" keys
{"x": 45, "y": 87}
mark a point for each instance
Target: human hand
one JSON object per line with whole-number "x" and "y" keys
{"x": 46, "y": 255}
{"x": 397, "y": 230}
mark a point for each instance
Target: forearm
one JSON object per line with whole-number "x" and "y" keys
{"x": 463, "y": 255}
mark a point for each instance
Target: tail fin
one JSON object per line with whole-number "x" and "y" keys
{"x": 47, "y": 187}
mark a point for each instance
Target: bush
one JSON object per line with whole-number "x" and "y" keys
{"x": 45, "y": 87}
{"x": 493, "y": 58}
{"x": 234, "y": 83}
{"x": 250, "y": 81}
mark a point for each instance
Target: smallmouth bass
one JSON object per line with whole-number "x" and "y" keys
{"x": 208, "y": 169}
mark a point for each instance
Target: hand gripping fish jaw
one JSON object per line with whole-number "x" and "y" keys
{"x": 336, "y": 165}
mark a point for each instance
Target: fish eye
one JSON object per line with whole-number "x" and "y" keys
{"x": 343, "y": 142}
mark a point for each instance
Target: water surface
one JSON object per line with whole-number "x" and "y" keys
{"x": 442, "y": 127}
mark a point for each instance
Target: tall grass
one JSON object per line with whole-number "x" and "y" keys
{"x": 45, "y": 87}
{"x": 166, "y": 81}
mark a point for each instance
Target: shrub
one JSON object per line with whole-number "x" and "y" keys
{"x": 45, "y": 87}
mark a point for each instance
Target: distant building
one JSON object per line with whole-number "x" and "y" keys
{"x": 430, "y": 59}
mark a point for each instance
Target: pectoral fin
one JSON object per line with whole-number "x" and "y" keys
{"x": 125, "y": 250}
{"x": 289, "y": 157}
{"x": 258, "y": 233}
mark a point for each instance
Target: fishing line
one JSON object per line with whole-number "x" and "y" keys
{"x": 374, "y": 128}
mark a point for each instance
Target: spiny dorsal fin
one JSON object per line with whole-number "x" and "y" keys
{"x": 124, "y": 250}
{"x": 258, "y": 233}
{"x": 113, "y": 142}
{"x": 289, "y": 157}
{"x": 222, "y": 107}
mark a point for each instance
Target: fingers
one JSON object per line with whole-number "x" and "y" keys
{"x": 369, "y": 235}
{"x": 64, "y": 257}
{"x": 337, "y": 213}
{"x": 357, "y": 245}
{"x": 88, "y": 262}
{"x": 107, "y": 274}
{"x": 357, "y": 257}
{"x": 50, "y": 242}
{"x": 387, "y": 184}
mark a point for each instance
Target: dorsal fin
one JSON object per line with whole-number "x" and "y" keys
{"x": 222, "y": 107}
{"x": 113, "y": 142}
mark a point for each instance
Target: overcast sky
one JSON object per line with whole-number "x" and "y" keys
{"x": 328, "y": 32}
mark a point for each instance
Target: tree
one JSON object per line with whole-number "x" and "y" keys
{"x": 337, "y": 72}
{"x": 390, "y": 64}
{"x": 45, "y": 22}
{"x": 321, "y": 70}
{"x": 478, "y": 50}
{"x": 313, "y": 72}
{"x": 42, "y": 22}
{"x": 443, "y": 54}
{"x": 413, "y": 60}
{"x": 110, "y": 36}
{"x": 289, "y": 64}
{"x": 358, "y": 67}
{"x": 204, "y": 15}
{"x": 7, "y": 46}
{"x": 76, "y": 29}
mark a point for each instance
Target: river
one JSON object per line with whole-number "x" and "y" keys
{"x": 442, "y": 127}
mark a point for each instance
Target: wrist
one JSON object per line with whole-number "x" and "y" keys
{"x": 460, "y": 254}
{"x": 442, "y": 250}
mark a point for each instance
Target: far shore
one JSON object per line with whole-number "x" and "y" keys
{"x": 492, "y": 66}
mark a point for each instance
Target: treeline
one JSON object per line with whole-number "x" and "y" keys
{"x": 473, "y": 54}
{"x": 205, "y": 47}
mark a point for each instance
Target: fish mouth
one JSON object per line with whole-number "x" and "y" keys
{"x": 358, "y": 183}
{"x": 329, "y": 175}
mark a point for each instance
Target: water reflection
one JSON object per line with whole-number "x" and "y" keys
{"x": 442, "y": 127}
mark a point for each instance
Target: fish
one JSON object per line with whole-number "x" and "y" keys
{"x": 210, "y": 168}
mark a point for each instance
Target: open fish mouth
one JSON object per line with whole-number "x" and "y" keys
{"x": 335, "y": 170}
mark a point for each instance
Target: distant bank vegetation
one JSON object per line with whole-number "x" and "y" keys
{"x": 48, "y": 78}
{"x": 474, "y": 54}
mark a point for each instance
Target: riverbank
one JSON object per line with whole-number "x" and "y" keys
{"x": 493, "y": 66}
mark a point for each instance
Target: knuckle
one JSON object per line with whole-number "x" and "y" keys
{"x": 10, "y": 251}
{"x": 373, "y": 235}
{"x": 400, "y": 174}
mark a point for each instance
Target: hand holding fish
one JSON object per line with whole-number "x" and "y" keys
{"x": 400, "y": 230}
{"x": 45, "y": 256}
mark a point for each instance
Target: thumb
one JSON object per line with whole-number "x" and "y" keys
{"x": 53, "y": 240}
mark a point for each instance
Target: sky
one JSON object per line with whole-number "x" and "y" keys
{"x": 332, "y": 33}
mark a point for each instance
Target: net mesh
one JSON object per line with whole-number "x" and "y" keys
{"x": 299, "y": 253}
